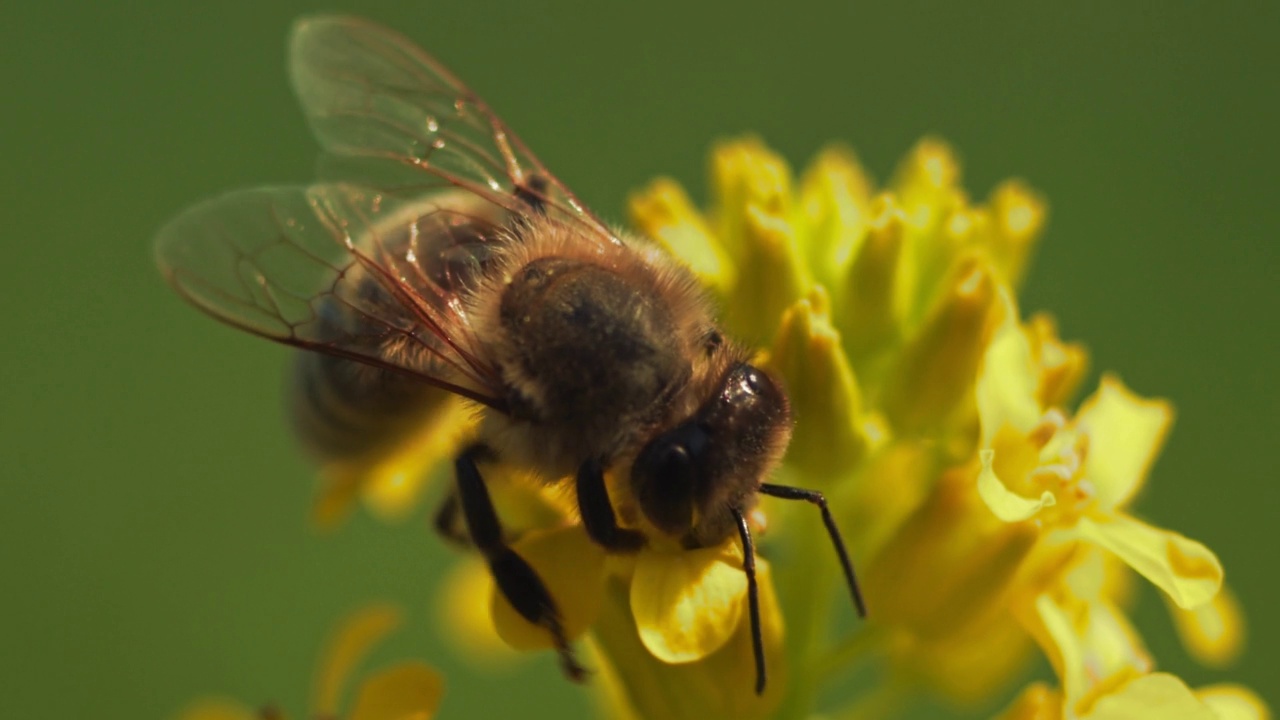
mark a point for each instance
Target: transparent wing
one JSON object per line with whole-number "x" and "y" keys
{"x": 346, "y": 271}
{"x": 392, "y": 117}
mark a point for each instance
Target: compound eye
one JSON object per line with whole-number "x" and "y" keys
{"x": 673, "y": 464}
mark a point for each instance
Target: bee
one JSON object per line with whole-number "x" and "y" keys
{"x": 436, "y": 255}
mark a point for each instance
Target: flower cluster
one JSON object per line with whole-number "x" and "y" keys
{"x": 988, "y": 518}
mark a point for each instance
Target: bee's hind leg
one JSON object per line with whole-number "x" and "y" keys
{"x": 517, "y": 580}
{"x": 448, "y": 521}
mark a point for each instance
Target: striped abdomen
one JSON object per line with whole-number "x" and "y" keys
{"x": 345, "y": 409}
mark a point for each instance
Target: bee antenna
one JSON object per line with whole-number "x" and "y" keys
{"x": 815, "y": 497}
{"x": 753, "y": 595}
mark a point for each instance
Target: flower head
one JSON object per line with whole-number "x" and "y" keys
{"x": 989, "y": 519}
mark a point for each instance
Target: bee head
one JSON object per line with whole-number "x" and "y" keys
{"x": 687, "y": 478}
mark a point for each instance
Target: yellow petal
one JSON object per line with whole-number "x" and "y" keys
{"x": 1006, "y": 505}
{"x": 1091, "y": 644}
{"x": 1188, "y": 572}
{"x": 1151, "y": 696}
{"x": 1125, "y": 434}
{"x": 572, "y": 568}
{"x": 354, "y": 639}
{"x": 1006, "y": 389}
{"x": 663, "y": 211}
{"x": 1020, "y": 218}
{"x": 218, "y": 709}
{"x": 409, "y": 691}
{"x": 756, "y": 222}
{"x": 834, "y": 195}
{"x": 1065, "y": 647}
{"x": 827, "y": 405}
{"x": 1233, "y": 702}
{"x": 939, "y": 224}
{"x": 687, "y": 604}
{"x": 772, "y": 275}
{"x": 391, "y": 481}
{"x": 940, "y": 364}
{"x": 1113, "y": 646}
{"x": 1062, "y": 365}
{"x": 1036, "y": 702}
{"x": 867, "y": 296}
{"x": 746, "y": 174}
{"x": 926, "y": 179}
{"x": 1214, "y": 632}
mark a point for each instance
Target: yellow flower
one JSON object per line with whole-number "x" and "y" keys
{"x": 879, "y": 305}
{"x": 391, "y": 480}
{"x": 1076, "y": 476}
{"x": 988, "y": 521}
{"x": 1158, "y": 695}
{"x": 405, "y": 691}
{"x": 664, "y": 613}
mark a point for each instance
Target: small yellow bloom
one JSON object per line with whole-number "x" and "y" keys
{"x": 1158, "y": 695}
{"x": 685, "y": 604}
{"x": 391, "y": 480}
{"x": 1076, "y": 475}
{"x": 405, "y": 691}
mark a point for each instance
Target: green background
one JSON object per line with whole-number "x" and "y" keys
{"x": 153, "y": 537}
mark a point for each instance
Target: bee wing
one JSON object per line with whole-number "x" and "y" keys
{"x": 392, "y": 117}
{"x": 341, "y": 270}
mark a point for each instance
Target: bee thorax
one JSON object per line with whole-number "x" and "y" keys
{"x": 589, "y": 357}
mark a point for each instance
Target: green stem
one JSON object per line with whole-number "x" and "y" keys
{"x": 884, "y": 702}
{"x": 806, "y": 583}
{"x": 847, "y": 653}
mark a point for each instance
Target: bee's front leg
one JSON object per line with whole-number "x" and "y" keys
{"x": 597, "y": 512}
{"x": 517, "y": 580}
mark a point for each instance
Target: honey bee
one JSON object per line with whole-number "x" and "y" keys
{"x": 437, "y": 255}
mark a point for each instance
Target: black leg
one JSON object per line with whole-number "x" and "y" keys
{"x": 597, "y": 512}
{"x": 447, "y": 519}
{"x": 753, "y": 595}
{"x": 815, "y": 497}
{"x": 517, "y": 580}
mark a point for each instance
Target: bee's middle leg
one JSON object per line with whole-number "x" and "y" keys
{"x": 517, "y": 580}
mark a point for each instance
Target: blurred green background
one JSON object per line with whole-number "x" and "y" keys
{"x": 154, "y": 540}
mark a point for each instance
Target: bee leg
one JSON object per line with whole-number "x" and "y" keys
{"x": 517, "y": 580}
{"x": 753, "y": 595}
{"x": 813, "y": 496}
{"x": 446, "y": 522}
{"x": 597, "y": 511}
